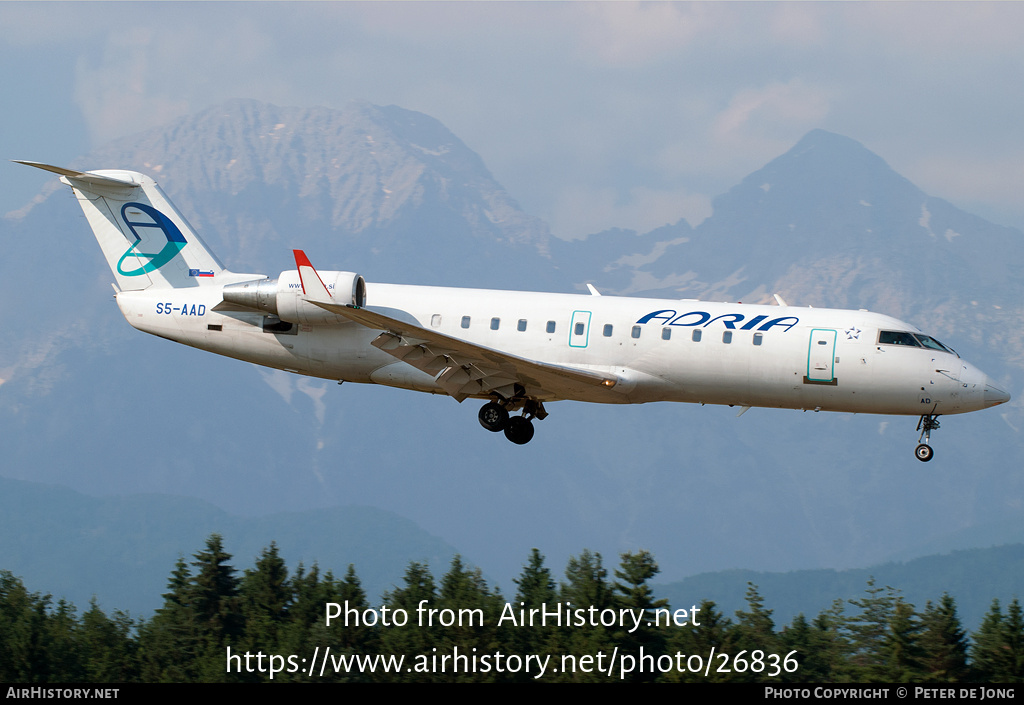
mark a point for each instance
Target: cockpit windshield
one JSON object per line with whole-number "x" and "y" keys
{"x": 897, "y": 337}
{"x": 914, "y": 340}
{"x": 931, "y": 343}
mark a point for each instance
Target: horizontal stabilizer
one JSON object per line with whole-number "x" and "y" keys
{"x": 87, "y": 177}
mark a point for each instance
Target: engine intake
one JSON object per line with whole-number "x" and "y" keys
{"x": 283, "y": 296}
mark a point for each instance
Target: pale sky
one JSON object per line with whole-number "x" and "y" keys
{"x": 592, "y": 115}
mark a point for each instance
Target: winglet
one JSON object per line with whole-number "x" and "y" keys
{"x": 312, "y": 285}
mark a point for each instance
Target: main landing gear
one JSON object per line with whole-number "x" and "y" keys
{"x": 927, "y": 424}
{"x": 494, "y": 417}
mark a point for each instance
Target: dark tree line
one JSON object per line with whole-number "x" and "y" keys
{"x": 269, "y": 611}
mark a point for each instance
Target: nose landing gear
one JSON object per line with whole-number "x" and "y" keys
{"x": 927, "y": 424}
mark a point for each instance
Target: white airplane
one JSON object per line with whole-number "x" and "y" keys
{"x": 517, "y": 350}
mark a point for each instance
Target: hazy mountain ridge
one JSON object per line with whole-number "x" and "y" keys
{"x": 973, "y": 577}
{"x": 826, "y": 198}
{"x": 122, "y": 549}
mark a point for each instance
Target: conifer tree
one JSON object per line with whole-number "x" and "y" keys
{"x": 264, "y": 598}
{"x": 346, "y": 635}
{"x": 61, "y": 645}
{"x": 633, "y": 592}
{"x": 168, "y": 642}
{"x": 22, "y": 628}
{"x": 411, "y": 639}
{"x": 830, "y": 651}
{"x": 354, "y": 638}
{"x": 305, "y": 630}
{"x": 586, "y": 586}
{"x": 1013, "y": 644}
{"x": 473, "y": 610}
{"x": 213, "y": 594}
{"x": 535, "y": 589}
{"x": 987, "y": 653}
{"x": 714, "y": 633}
{"x": 186, "y": 639}
{"x": 869, "y": 630}
{"x": 944, "y": 643}
{"x": 902, "y": 655}
{"x": 755, "y": 632}
{"x": 806, "y": 641}
{"x": 107, "y": 646}
{"x": 587, "y": 582}
{"x": 534, "y": 586}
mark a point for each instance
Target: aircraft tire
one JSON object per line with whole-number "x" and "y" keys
{"x": 519, "y": 430}
{"x": 493, "y": 417}
{"x": 924, "y": 453}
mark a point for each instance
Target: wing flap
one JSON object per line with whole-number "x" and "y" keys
{"x": 400, "y": 337}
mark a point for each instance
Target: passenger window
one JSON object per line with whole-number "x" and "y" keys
{"x": 521, "y": 325}
{"x": 435, "y": 320}
{"x": 666, "y": 333}
{"x": 636, "y": 332}
{"x": 607, "y": 330}
{"x": 465, "y": 321}
{"x": 579, "y": 329}
{"x": 696, "y": 335}
{"x": 758, "y": 337}
{"x": 551, "y": 327}
{"x": 495, "y": 322}
{"x": 727, "y": 337}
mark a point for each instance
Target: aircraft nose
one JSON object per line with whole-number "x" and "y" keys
{"x": 993, "y": 395}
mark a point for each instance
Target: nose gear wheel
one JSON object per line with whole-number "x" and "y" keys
{"x": 927, "y": 424}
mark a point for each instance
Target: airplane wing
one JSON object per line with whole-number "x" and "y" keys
{"x": 463, "y": 369}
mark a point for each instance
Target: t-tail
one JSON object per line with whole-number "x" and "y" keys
{"x": 147, "y": 242}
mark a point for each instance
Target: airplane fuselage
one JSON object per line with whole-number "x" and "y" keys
{"x": 660, "y": 349}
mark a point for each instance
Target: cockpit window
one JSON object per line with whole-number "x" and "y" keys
{"x": 932, "y": 344}
{"x": 897, "y": 337}
{"x": 915, "y": 340}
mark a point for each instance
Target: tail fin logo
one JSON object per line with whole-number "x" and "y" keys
{"x": 134, "y": 216}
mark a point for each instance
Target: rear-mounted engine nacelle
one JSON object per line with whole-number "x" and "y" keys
{"x": 283, "y": 296}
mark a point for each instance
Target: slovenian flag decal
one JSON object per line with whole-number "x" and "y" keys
{"x": 200, "y": 273}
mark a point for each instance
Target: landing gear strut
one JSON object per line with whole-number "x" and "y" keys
{"x": 927, "y": 424}
{"x": 494, "y": 416}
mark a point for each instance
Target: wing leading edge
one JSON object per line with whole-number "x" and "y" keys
{"x": 463, "y": 369}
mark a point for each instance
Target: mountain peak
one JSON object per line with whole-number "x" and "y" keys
{"x": 822, "y": 156}
{"x": 837, "y": 173}
{"x": 380, "y": 179}
{"x": 823, "y": 139}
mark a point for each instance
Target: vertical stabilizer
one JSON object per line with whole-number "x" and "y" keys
{"x": 147, "y": 242}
